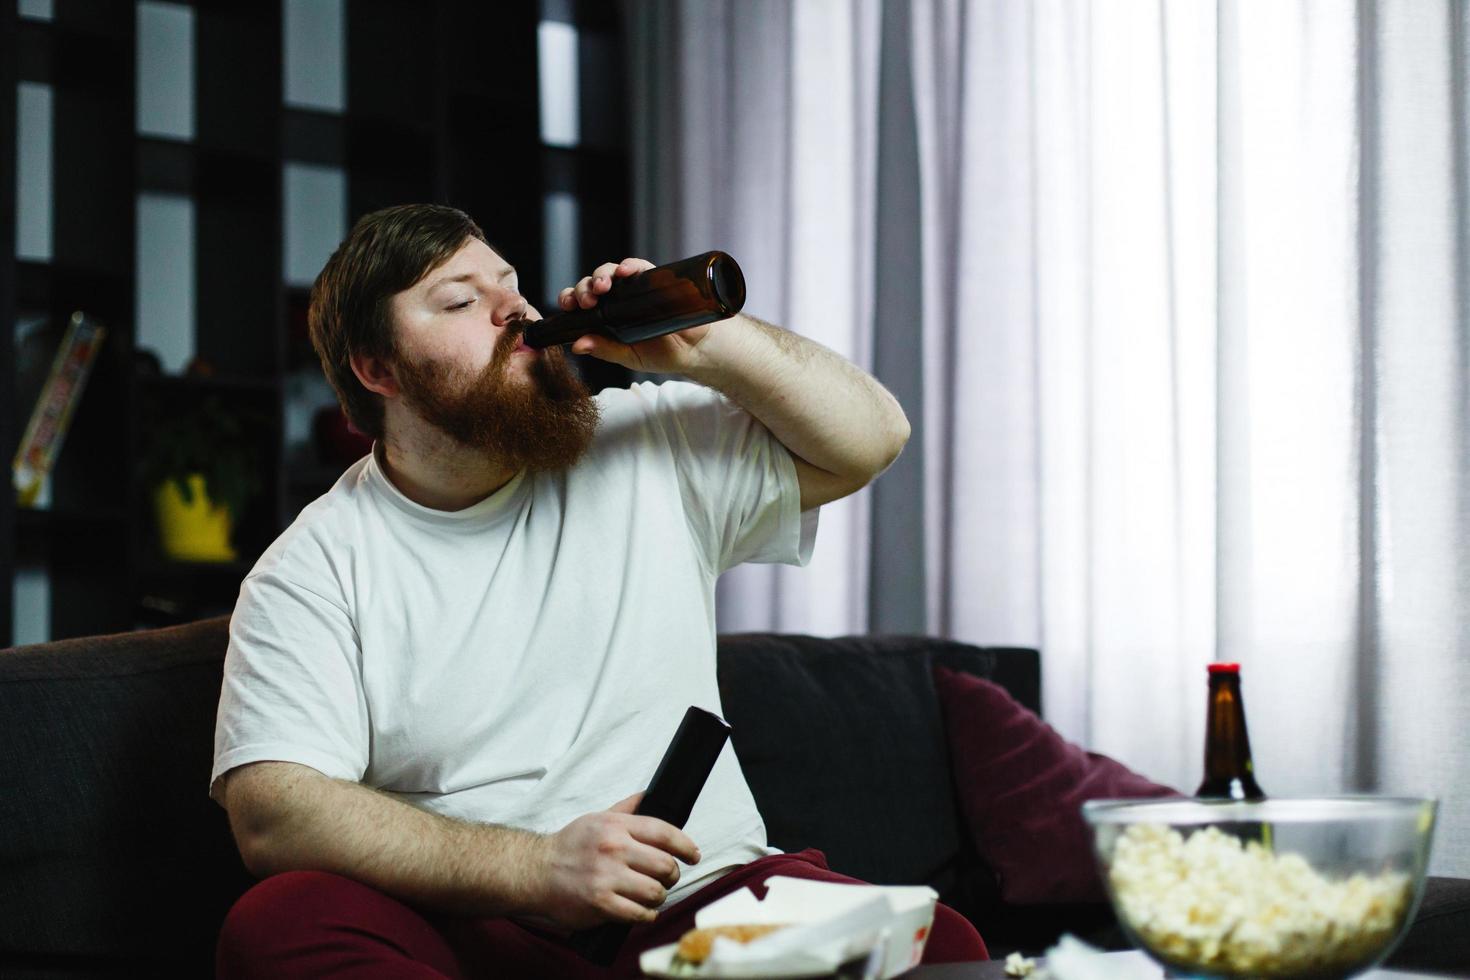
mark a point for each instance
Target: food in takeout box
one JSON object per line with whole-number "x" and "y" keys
{"x": 696, "y": 944}
{"x": 810, "y": 929}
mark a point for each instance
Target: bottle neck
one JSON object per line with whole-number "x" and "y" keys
{"x": 1229, "y": 771}
{"x": 563, "y": 328}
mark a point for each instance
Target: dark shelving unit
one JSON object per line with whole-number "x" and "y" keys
{"x": 85, "y": 541}
{"x": 10, "y": 272}
{"x": 441, "y": 105}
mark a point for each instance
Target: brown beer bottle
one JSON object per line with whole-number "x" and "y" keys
{"x": 1229, "y": 773}
{"x": 687, "y": 293}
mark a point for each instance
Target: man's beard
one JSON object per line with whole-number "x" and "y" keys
{"x": 543, "y": 422}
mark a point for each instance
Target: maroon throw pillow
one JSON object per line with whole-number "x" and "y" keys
{"x": 1021, "y": 788}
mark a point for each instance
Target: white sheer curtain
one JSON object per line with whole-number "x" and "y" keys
{"x": 756, "y": 136}
{"x": 1191, "y": 323}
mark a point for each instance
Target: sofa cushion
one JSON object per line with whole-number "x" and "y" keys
{"x": 1021, "y": 787}
{"x": 112, "y": 851}
{"x": 843, "y": 746}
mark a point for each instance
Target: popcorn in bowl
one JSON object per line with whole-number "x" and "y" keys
{"x": 1282, "y": 888}
{"x": 1216, "y": 904}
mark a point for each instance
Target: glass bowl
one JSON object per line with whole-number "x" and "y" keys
{"x": 1281, "y": 888}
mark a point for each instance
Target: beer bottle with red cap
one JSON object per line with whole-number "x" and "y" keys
{"x": 1229, "y": 772}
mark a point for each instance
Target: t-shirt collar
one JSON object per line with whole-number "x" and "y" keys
{"x": 500, "y": 503}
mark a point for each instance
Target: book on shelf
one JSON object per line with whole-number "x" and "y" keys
{"x": 51, "y": 417}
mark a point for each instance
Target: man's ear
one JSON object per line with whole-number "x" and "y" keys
{"x": 375, "y": 374}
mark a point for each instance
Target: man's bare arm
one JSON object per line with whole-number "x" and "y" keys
{"x": 842, "y": 427}
{"x": 607, "y": 865}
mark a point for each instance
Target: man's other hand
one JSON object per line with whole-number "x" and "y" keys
{"x": 611, "y": 865}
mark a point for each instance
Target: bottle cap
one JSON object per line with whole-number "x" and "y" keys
{"x": 1224, "y": 668}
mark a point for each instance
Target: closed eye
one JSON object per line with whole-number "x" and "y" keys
{"x": 460, "y": 306}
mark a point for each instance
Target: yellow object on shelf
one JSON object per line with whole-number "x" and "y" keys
{"x": 197, "y": 531}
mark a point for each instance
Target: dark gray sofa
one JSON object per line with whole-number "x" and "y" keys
{"x": 113, "y": 861}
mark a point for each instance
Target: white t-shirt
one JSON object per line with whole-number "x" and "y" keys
{"x": 525, "y": 660}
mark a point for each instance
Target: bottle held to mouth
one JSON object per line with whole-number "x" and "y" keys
{"x": 667, "y": 298}
{"x": 1229, "y": 772}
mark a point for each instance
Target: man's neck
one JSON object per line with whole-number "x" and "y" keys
{"x": 433, "y": 470}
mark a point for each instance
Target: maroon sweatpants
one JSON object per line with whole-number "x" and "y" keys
{"x": 315, "y": 924}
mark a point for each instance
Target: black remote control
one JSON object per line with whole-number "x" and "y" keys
{"x": 685, "y": 767}
{"x": 676, "y": 784}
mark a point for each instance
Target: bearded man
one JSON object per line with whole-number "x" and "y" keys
{"x": 446, "y": 678}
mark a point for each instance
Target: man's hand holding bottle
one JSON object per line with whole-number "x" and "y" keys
{"x": 642, "y": 316}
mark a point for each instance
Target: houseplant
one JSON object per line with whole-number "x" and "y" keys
{"x": 200, "y": 470}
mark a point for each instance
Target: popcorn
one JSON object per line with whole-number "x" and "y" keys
{"x": 1212, "y": 903}
{"x": 1019, "y": 966}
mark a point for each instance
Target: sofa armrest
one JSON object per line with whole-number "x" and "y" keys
{"x": 1438, "y": 941}
{"x": 112, "y": 851}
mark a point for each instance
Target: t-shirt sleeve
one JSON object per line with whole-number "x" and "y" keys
{"x": 738, "y": 482}
{"x": 292, "y": 687}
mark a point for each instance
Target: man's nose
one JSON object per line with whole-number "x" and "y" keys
{"x": 511, "y": 308}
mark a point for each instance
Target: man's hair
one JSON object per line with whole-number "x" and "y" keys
{"x": 351, "y": 301}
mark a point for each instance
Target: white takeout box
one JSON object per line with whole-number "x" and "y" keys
{"x": 831, "y": 924}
